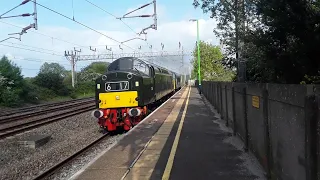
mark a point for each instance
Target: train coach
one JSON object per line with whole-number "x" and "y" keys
{"x": 128, "y": 89}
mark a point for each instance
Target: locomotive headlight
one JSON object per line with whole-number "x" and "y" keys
{"x": 104, "y": 77}
{"x": 97, "y": 113}
{"x": 98, "y": 86}
{"x": 137, "y": 83}
{"x": 134, "y": 112}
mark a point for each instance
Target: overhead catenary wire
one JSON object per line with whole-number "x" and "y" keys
{"x": 111, "y": 15}
{"x": 36, "y": 60}
{"x": 69, "y": 42}
{"x": 117, "y": 18}
{"x": 83, "y": 25}
{"x": 36, "y": 32}
{"x": 30, "y": 50}
{"x": 22, "y": 3}
{"x": 58, "y": 39}
{"x": 33, "y": 47}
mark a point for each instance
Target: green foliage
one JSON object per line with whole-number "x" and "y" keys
{"x": 85, "y": 88}
{"x": 11, "y": 83}
{"x": 68, "y": 78}
{"x": 96, "y": 67}
{"x": 51, "y": 76}
{"x": 280, "y": 39}
{"x": 53, "y": 82}
{"x": 88, "y": 76}
{"x": 53, "y": 68}
{"x": 210, "y": 64}
{"x": 10, "y": 98}
{"x": 92, "y": 71}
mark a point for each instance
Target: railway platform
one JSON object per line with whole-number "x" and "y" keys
{"x": 184, "y": 139}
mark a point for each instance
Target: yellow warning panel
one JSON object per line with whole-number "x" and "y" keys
{"x": 256, "y": 101}
{"x": 118, "y": 99}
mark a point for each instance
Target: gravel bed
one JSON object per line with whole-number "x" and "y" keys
{"x": 70, "y": 169}
{"x": 41, "y": 108}
{"x": 67, "y": 136}
{"x": 28, "y": 119}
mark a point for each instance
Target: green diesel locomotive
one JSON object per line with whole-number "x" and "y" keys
{"x": 130, "y": 87}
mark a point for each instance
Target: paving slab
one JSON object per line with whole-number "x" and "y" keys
{"x": 201, "y": 152}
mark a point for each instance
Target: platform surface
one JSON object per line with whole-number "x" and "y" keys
{"x": 180, "y": 141}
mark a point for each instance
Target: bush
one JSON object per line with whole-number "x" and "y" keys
{"x": 30, "y": 93}
{"x": 11, "y": 83}
{"x": 85, "y": 87}
{"x": 46, "y": 94}
{"x": 10, "y": 98}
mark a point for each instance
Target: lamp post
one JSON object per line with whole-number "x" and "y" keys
{"x": 198, "y": 47}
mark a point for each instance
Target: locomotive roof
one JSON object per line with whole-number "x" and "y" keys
{"x": 155, "y": 65}
{"x": 149, "y": 63}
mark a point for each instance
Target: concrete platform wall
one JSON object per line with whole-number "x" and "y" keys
{"x": 279, "y": 124}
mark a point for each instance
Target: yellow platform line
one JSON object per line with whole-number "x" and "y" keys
{"x": 169, "y": 165}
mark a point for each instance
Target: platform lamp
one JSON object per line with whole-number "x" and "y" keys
{"x": 198, "y": 45}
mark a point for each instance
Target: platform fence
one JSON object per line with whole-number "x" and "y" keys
{"x": 278, "y": 123}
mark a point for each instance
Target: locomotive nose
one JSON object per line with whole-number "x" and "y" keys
{"x": 97, "y": 113}
{"x": 134, "y": 112}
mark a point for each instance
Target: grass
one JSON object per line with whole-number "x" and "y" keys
{"x": 52, "y": 100}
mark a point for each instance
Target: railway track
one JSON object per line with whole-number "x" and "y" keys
{"x": 41, "y": 112}
{"x": 15, "y": 129}
{"x": 41, "y": 106}
{"x": 69, "y": 159}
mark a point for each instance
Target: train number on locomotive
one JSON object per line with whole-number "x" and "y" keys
{"x": 117, "y": 86}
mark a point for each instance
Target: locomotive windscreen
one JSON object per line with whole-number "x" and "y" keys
{"x": 129, "y": 64}
{"x": 125, "y": 63}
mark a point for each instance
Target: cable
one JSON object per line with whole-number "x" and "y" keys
{"x": 35, "y": 60}
{"x": 111, "y": 15}
{"x": 24, "y": 2}
{"x": 30, "y": 50}
{"x": 82, "y": 24}
{"x": 36, "y": 32}
{"x": 116, "y": 18}
{"x": 72, "y": 11}
{"x": 33, "y": 47}
{"x": 31, "y": 69}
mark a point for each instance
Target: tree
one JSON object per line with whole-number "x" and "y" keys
{"x": 231, "y": 16}
{"x": 97, "y": 67}
{"x": 11, "y": 83}
{"x": 51, "y": 76}
{"x": 280, "y": 38}
{"x": 211, "y": 64}
{"x": 54, "y": 68}
{"x": 92, "y": 71}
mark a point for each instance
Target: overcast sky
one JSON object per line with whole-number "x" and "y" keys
{"x": 56, "y": 34}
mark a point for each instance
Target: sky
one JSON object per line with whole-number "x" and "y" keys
{"x": 57, "y": 34}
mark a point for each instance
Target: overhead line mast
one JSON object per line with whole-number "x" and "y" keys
{"x": 154, "y": 15}
{"x": 24, "y": 30}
